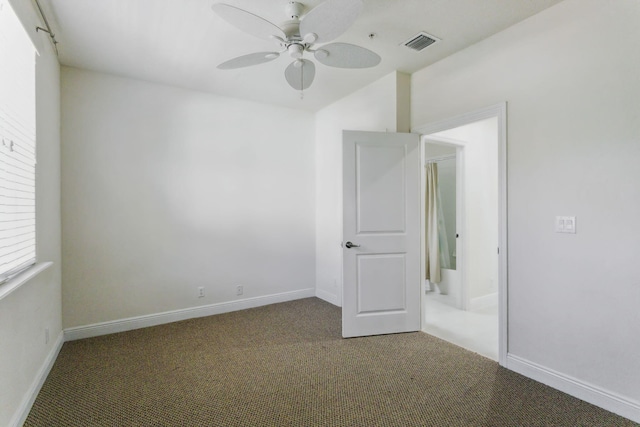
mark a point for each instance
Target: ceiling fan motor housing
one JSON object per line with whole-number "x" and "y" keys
{"x": 291, "y": 30}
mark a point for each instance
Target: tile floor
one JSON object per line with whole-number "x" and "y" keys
{"x": 474, "y": 330}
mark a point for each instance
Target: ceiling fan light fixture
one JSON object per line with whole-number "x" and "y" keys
{"x": 295, "y": 50}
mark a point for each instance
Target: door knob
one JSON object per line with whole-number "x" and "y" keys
{"x": 350, "y": 245}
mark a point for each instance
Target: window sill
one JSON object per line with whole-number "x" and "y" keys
{"x": 20, "y": 279}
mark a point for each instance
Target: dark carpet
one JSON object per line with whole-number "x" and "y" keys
{"x": 287, "y": 365}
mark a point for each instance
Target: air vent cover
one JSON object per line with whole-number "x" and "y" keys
{"x": 420, "y": 41}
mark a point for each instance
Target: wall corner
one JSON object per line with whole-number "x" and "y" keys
{"x": 403, "y": 102}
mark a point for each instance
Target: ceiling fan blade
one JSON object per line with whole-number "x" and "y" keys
{"x": 248, "y": 60}
{"x": 345, "y": 55}
{"x": 300, "y": 74}
{"x": 330, "y": 19}
{"x": 247, "y": 21}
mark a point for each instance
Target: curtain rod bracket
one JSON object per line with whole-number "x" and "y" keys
{"x": 48, "y": 29}
{"x": 45, "y": 30}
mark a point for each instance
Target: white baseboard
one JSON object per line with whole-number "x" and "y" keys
{"x": 145, "y": 321}
{"x": 31, "y": 394}
{"x": 485, "y": 301}
{"x": 574, "y": 387}
{"x": 328, "y": 297}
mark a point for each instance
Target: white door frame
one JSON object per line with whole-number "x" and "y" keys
{"x": 499, "y": 111}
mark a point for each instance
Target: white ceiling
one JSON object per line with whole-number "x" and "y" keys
{"x": 180, "y": 42}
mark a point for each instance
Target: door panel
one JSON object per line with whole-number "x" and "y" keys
{"x": 381, "y": 208}
{"x": 374, "y": 274}
{"x": 379, "y": 203}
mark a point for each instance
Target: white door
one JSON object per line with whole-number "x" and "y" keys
{"x": 381, "y": 233}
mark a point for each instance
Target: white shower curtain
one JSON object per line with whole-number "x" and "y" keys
{"x": 445, "y": 259}
{"x": 433, "y": 238}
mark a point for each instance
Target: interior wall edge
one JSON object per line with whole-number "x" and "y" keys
{"x": 328, "y": 297}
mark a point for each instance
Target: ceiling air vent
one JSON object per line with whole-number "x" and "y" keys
{"x": 420, "y": 41}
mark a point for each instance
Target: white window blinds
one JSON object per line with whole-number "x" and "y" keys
{"x": 17, "y": 146}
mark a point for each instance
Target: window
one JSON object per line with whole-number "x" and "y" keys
{"x": 17, "y": 146}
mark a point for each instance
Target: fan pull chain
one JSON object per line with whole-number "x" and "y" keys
{"x": 302, "y": 82}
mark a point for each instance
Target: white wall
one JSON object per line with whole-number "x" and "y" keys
{"x": 570, "y": 77}
{"x": 381, "y": 106}
{"x": 480, "y": 233}
{"x": 166, "y": 190}
{"x": 36, "y": 305}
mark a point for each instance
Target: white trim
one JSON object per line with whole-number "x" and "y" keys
{"x": 440, "y": 158}
{"x": 462, "y": 119}
{"x": 21, "y": 278}
{"x": 138, "y": 322}
{"x": 461, "y": 224}
{"x": 425, "y": 284}
{"x": 30, "y": 396}
{"x": 499, "y": 111}
{"x": 327, "y": 296}
{"x": 485, "y": 301}
{"x": 574, "y": 387}
{"x": 444, "y": 141}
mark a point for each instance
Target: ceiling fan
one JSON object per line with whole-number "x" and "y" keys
{"x": 299, "y": 35}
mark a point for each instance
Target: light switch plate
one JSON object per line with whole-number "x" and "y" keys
{"x": 566, "y": 224}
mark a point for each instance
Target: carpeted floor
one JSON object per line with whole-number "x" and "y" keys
{"x": 287, "y": 365}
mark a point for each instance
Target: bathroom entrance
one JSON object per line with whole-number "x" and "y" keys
{"x": 464, "y": 230}
{"x": 443, "y": 220}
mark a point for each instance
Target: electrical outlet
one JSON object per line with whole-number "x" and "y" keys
{"x": 46, "y": 335}
{"x": 201, "y": 292}
{"x": 239, "y": 290}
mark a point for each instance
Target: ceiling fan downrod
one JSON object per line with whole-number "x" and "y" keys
{"x": 294, "y": 10}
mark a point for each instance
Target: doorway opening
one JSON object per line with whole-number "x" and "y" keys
{"x": 444, "y": 218}
{"x": 464, "y": 231}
